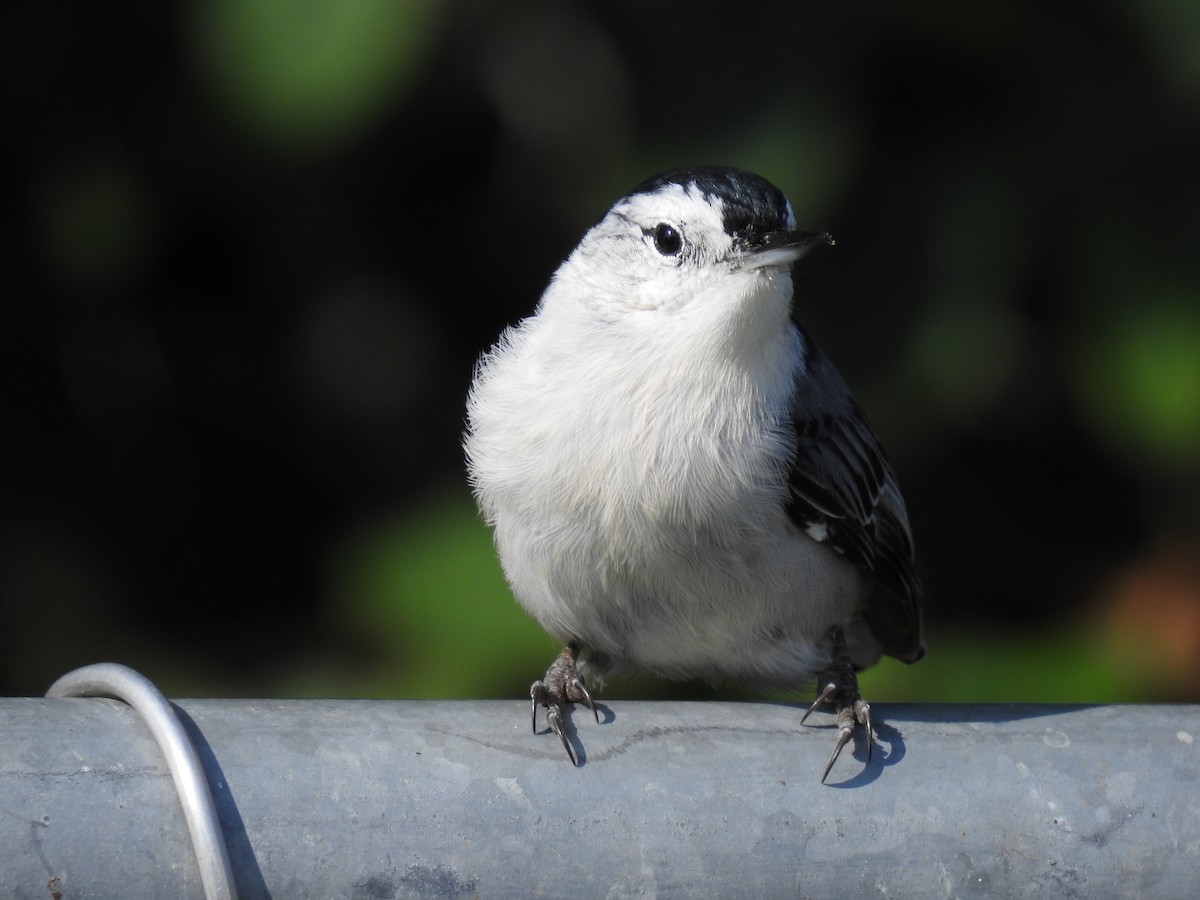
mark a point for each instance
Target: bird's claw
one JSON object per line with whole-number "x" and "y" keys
{"x": 841, "y": 691}
{"x": 561, "y": 686}
{"x": 847, "y": 718}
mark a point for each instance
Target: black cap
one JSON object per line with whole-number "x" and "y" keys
{"x": 750, "y": 203}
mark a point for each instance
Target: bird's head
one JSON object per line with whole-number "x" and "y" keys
{"x": 709, "y": 244}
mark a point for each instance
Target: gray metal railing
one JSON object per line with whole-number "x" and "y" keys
{"x": 371, "y": 799}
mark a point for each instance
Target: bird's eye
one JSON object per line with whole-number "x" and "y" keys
{"x": 667, "y": 240}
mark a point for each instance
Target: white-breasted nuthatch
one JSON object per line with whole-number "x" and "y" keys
{"x": 679, "y": 481}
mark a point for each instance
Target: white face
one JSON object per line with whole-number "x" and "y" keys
{"x": 668, "y": 252}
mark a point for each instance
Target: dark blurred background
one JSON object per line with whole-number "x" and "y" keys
{"x": 255, "y": 248}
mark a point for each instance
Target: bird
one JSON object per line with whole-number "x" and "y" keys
{"x": 679, "y": 482}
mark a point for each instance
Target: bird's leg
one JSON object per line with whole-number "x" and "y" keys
{"x": 838, "y": 685}
{"x": 561, "y": 685}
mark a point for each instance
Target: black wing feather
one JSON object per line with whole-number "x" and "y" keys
{"x": 841, "y": 482}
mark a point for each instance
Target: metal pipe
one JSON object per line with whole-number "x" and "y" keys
{"x": 372, "y": 799}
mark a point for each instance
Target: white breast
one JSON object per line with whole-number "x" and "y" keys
{"x": 637, "y": 486}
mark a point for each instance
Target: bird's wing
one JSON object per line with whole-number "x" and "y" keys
{"x": 843, "y": 493}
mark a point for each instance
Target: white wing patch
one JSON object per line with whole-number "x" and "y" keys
{"x": 818, "y": 531}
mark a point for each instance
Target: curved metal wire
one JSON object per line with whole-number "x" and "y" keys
{"x": 130, "y": 686}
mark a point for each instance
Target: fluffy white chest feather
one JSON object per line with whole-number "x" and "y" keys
{"x": 637, "y": 486}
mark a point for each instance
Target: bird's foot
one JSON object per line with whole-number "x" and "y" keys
{"x": 561, "y": 685}
{"x": 837, "y": 685}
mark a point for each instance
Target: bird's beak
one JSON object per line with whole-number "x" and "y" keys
{"x": 780, "y": 248}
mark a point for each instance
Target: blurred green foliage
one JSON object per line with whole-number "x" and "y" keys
{"x": 311, "y": 77}
{"x": 427, "y": 596}
{"x": 1138, "y": 376}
